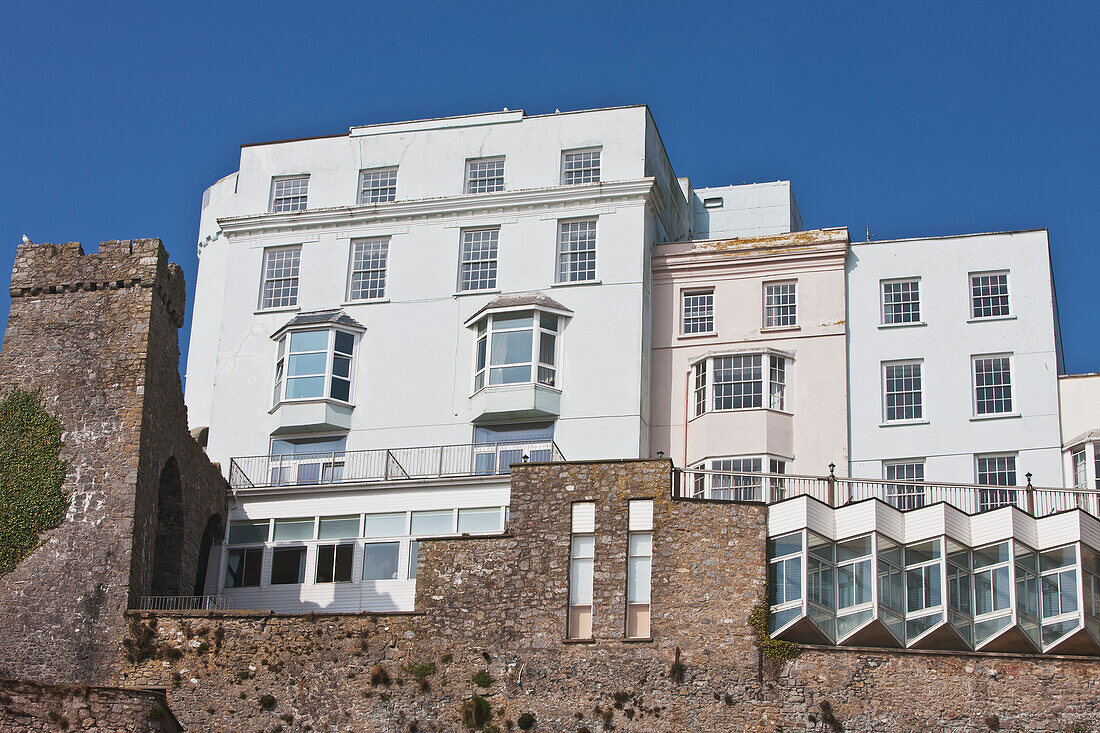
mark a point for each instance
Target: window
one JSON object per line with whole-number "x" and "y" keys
{"x": 900, "y": 301}
{"x": 414, "y": 558}
{"x": 312, "y": 365}
{"x": 905, "y": 496}
{"x": 338, "y": 528}
{"x": 580, "y": 166}
{"x": 368, "y": 269}
{"x": 378, "y": 186}
{"x": 1058, "y": 581}
{"x": 577, "y": 251}
{"x": 307, "y": 460}
{"x": 516, "y": 347}
{"x": 992, "y": 579}
{"x": 714, "y": 202}
{"x": 380, "y": 560}
{"x": 289, "y": 194}
{"x": 992, "y": 385}
{"x": 922, "y": 573}
{"x": 777, "y": 485}
{"x": 989, "y": 295}
{"x": 737, "y": 487}
{"x": 479, "y": 521}
{"x": 697, "y": 312}
{"x": 700, "y": 387}
{"x": 1077, "y": 463}
{"x": 737, "y": 382}
{"x": 288, "y": 566}
{"x": 293, "y": 530}
{"x": 334, "y": 563}
{"x": 902, "y": 395}
{"x": 477, "y": 268}
{"x": 280, "y": 282}
{"x": 854, "y": 574}
{"x": 485, "y": 175}
{"x": 639, "y": 567}
{"x": 248, "y": 532}
{"x": 434, "y": 522}
{"x": 384, "y": 525}
{"x": 243, "y": 568}
{"x": 995, "y": 471}
{"x": 785, "y": 569}
{"x": 780, "y": 308}
{"x": 582, "y": 547}
{"x": 497, "y": 447}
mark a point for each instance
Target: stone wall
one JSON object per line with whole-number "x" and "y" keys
{"x": 98, "y": 335}
{"x": 498, "y": 605}
{"x": 28, "y": 707}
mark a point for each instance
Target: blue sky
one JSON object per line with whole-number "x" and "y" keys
{"x": 909, "y": 119}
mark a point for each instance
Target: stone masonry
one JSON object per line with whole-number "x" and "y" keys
{"x": 30, "y": 707}
{"x": 98, "y": 335}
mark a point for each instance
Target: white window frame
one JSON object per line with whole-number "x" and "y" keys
{"x": 1011, "y": 411}
{"x": 483, "y": 259}
{"x": 768, "y": 395}
{"x": 915, "y": 282}
{"x": 904, "y": 496}
{"x": 741, "y": 488}
{"x": 779, "y": 305}
{"x": 573, "y": 264}
{"x": 707, "y": 317}
{"x": 585, "y": 171}
{"x": 292, "y": 281}
{"x": 281, "y": 375}
{"x": 1004, "y": 494}
{"x": 919, "y": 363}
{"x": 543, "y": 373}
{"x": 381, "y": 243}
{"x": 474, "y": 184}
{"x": 389, "y": 189}
{"x": 275, "y": 198}
{"x": 972, "y": 298}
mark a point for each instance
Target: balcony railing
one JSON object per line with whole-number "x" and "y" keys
{"x": 392, "y": 464}
{"x": 182, "y": 603}
{"x": 836, "y": 491}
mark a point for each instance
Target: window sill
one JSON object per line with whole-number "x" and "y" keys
{"x": 902, "y": 325}
{"x": 575, "y": 283}
{"x": 589, "y": 640}
{"x": 995, "y": 416}
{"x": 461, "y": 293}
{"x": 367, "y": 301}
{"x": 901, "y": 423}
{"x": 700, "y": 335}
{"x": 492, "y": 387}
{"x": 310, "y": 401}
{"x": 773, "y": 329}
{"x": 637, "y": 640}
{"x": 743, "y": 409}
{"x": 991, "y": 318}
{"x": 284, "y": 309}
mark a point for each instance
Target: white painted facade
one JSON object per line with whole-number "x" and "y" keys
{"x": 748, "y": 210}
{"x": 1079, "y": 403}
{"x": 945, "y": 338}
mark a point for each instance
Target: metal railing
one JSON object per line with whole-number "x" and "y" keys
{"x": 836, "y": 491}
{"x": 390, "y": 464}
{"x": 182, "y": 603}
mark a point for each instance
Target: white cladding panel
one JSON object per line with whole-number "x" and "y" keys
{"x": 584, "y": 517}
{"x": 640, "y": 515}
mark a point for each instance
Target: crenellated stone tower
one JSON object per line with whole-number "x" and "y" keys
{"x": 98, "y": 335}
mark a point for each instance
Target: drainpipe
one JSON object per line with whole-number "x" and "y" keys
{"x": 687, "y": 400}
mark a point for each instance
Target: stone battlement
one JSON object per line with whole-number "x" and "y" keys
{"x": 126, "y": 263}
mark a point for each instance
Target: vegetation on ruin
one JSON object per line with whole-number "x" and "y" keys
{"x": 483, "y": 679}
{"x": 32, "y": 500}
{"x": 475, "y": 712}
{"x": 775, "y": 650}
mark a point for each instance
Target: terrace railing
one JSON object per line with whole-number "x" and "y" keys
{"x": 389, "y": 464}
{"x": 182, "y": 603}
{"x": 836, "y": 491}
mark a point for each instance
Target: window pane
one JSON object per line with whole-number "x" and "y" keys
{"x": 698, "y": 312}
{"x": 380, "y": 560}
{"x": 510, "y": 375}
{"x": 344, "y": 555}
{"x": 992, "y": 385}
{"x": 308, "y": 341}
{"x": 580, "y": 581}
{"x": 241, "y": 533}
{"x": 384, "y": 525}
{"x": 336, "y": 528}
{"x": 519, "y": 319}
{"x": 903, "y": 387}
{"x": 414, "y": 558}
{"x": 243, "y": 568}
{"x": 279, "y": 288}
{"x": 641, "y": 543}
{"x": 288, "y": 566}
{"x": 546, "y": 348}
{"x": 989, "y": 295}
{"x": 304, "y": 387}
{"x": 583, "y": 545}
{"x": 293, "y": 529}
{"x": 326, "y": 557}
{"x": 307, "y": 364}
{"x": 779, "y": 305}
{"x": 638, "y": 579}
{"x": 340, "y": 389}
{"x": 344, "y": 342}
{"x": 901, "y": 301}
{"x": 435, "y": 522}
{"x": 511, "y": 347}
{"x": 479, "y": 520}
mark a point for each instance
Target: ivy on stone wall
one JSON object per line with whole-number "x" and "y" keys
{"x": 775, "y": 650}
{"x": 32, "y": 500}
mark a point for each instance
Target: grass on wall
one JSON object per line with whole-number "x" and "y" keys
{"x": 32, "y": 500}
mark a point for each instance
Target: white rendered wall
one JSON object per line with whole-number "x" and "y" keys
{"x": 951, "y": 435}
{"x": 1079, "y": 397}
{"x": 814, "y": 425}
{"x": 747, "y": 210}
{"x": 413, "y": 370}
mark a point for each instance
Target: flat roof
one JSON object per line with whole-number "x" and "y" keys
{"x": 945, "y": 236}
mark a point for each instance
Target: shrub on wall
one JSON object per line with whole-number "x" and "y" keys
{"x": 31, "y": 476}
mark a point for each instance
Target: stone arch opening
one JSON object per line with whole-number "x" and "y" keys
{"x": 168, "y": 545}
{"x": 211, "y": 536}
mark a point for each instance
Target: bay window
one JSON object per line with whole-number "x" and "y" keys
{"x": 740, "y": 382}
{"x": 313, "y": 365}
{"x": 516, "y": 347}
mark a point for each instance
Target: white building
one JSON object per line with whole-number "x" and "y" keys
{"x": 1079, "y": 403}
{"x": 954, "y": 357}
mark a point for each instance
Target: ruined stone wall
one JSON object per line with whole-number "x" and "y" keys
{"x": 498, "y": 605}
{"x": 28, "y": 707}
{"x": 97, "y": 334}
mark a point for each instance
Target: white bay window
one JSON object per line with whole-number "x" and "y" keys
{"x": 314, "y": 364}
{"x": 741, "y": 382}
{"x": 516, "y": 347}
